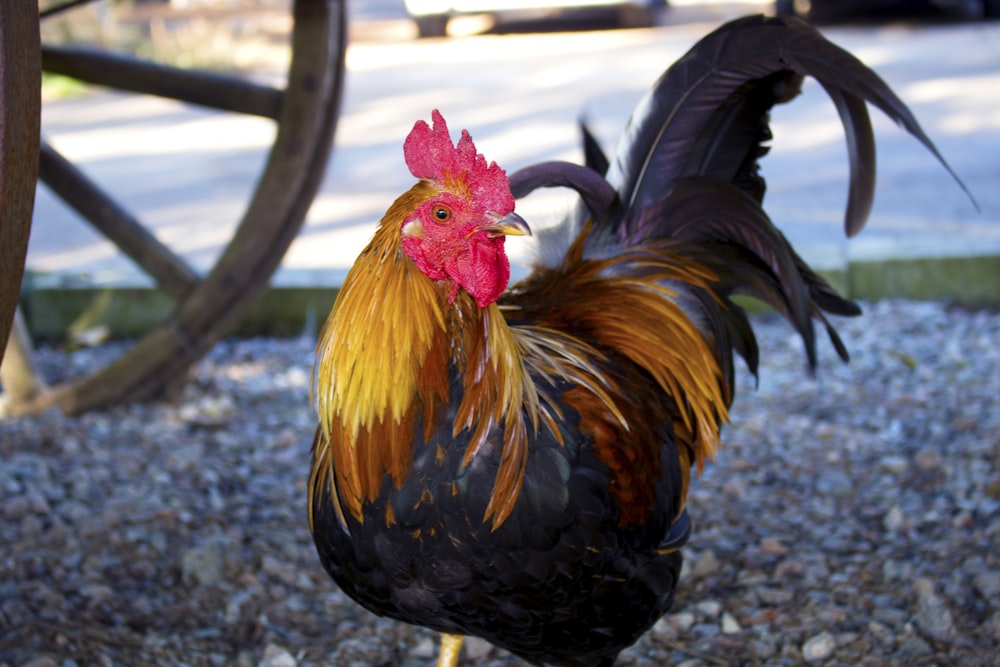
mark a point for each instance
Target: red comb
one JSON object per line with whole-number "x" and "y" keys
{"x": 430, "y": 154}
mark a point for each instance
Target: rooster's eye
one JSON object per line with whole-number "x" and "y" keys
{"x": 442, "y": 213}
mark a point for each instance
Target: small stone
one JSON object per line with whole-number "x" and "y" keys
{"x": 933, "y": 616}
{"x": 729, "y": 625}
{"x": 773, "y": 547}
{"x": 691, "y": 662}
{"x": 41, "y": 661}
{"x": 991, "y": 627}
{"x": 208, "y": 411}
{"x": 835, "y": 483}
{"x": 705, "y": 564}
{"x": 894, "y": 520}
{"x": 664, "y": 631}
{"x": 476, "y": 649}
{"x": 894, "y": 464}
{"x": 734, "y": 489}
{"x": 880, "y": 632}
{"x": 923, "y": 587}
{"x": 705, "y": 629}
{"x": 39, "y": 504}
{"x": 988, "y": 585}
{"x": 890, "y": 616}
{"x": 763, "y": 648}
{"x": 894, "y": 569}
{"x": 709, "y": 608}
{"x": 682, "y": 620}
{"x": 298, "y": 602}
{"x": 17, "y": 507}
{"x": 235, "y": 605}
{"x": 202, "y": 565}
{"x": 789, "y": 569}
{"x": 279, "y": 569}
{"x": 185, "y": 457}
{"x": 91, "y": 336}
{"x": 97, "y": 594}
{"x": 30, "y": 526}
{"x": 276, "y": 656}
{"x": 912, "y": 647}
{"x": 927, "y": 460}
{"x": 424, "y": 648}
{"x": 775, "y": 597}
{"x": 818, "y": 647}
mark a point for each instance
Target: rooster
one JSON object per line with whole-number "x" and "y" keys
{"x": 513, "y": 464}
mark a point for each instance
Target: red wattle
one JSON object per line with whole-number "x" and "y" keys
{"x": 483, "y": 272}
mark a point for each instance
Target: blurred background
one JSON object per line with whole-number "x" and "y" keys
{"x": 519, "y": 77}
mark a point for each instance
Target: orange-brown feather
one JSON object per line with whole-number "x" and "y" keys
{"x": 624, "y": 307}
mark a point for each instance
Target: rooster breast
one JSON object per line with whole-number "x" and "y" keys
{"x": 560, "y": 581}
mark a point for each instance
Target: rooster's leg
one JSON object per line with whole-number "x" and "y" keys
{"x": 451, "y": 648}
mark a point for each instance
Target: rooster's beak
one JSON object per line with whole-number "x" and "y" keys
{"x": 509, "y": 225}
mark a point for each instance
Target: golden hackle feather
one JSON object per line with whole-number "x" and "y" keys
{"x": 370, "y": 364}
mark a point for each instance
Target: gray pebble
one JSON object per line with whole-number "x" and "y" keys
{"x": 202, "y": 565}
{"x": 819, "y": 647}
{"x": 933, "y": 616}
{"x": 850, "y": 517}
{"x": 277, "y": 656}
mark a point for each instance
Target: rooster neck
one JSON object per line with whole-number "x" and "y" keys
{"x": 385, "y": 364}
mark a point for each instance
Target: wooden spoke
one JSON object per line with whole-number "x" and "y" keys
{"x": 63, "y": 7}
{"x": 123, "y": 72}
{"x": 171, "y": 273}
{"x": 20, "y": 109}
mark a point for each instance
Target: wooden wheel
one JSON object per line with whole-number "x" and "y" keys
{"x": 207, "y": 306}
{"x": 20, "y": 100}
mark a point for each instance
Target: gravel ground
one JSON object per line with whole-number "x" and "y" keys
{"x": 852, "y": 518}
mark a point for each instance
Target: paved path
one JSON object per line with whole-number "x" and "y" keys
{"x": 187, "y": 171}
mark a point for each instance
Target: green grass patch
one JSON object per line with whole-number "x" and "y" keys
{"x": 59, "y": 87}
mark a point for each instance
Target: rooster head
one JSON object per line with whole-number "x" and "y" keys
{"x": 457, "y": 233}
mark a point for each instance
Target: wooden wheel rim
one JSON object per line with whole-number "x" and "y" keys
{"x": 20, "y": 116}
{"x": 289, "y": 182}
